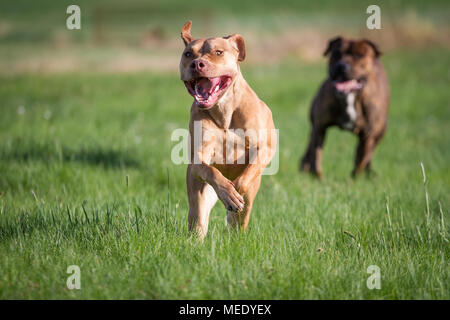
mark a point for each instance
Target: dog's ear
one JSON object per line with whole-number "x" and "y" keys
{"x": 333, "y": 43}
{"x": 186, "y": 33}
{"x": 374, "y": 47}
{"x": 239, "y": 45}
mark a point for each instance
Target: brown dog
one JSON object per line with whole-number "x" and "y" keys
{"x": 355, "y": 97}
{"x": 224, "y": 107}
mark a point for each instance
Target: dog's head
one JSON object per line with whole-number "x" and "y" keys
{"x": 350, "y": 62}
{"x": 208, "y": 66}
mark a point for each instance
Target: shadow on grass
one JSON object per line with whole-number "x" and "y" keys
{"x": 91, "y": 155}
{"x": 63, "y": 221}
{"x": 87, "y": 223}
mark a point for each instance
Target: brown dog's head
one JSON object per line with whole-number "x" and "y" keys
{"x": 208, "y": 66}
{"x": 350, "y": 62}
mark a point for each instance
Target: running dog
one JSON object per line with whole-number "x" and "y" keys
{"x": 354, "y": 97}
{"x": 224, "y": 106}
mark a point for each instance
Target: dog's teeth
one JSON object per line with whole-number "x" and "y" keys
{"x": 196, "y": 91}
{"x": 216, "y": 89}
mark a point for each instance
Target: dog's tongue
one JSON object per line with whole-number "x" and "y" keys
{"x": 347, "y": 86}
{"x": 204, "y": 86}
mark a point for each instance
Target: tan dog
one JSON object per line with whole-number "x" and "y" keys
{"x": 355, "y": 97}
{"x": 223, "y": 104}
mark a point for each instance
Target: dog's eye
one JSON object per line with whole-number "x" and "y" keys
{"x": 219, "y": 52}
{"x": 188, "y": 54}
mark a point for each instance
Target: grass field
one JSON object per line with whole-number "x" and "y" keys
{"x": 86, "y": 179}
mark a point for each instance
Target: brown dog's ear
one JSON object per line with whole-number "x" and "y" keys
{"x": 374, "y": 47}
{"x": 186, "y": 33}
{"x": 239, "y": 45}
{"x": 332, "y": 44}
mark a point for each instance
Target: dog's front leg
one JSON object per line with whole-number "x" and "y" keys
{"x": 224, "y": 188}
{"x": 202, "y": 155}
{"x": 312, "y": 159}
{"x": 240, "y": 220}
{"x": 248, "y": 182}
{"x": 258, "y": 160}
{"x": 364, "y": 153}
{"x": 204, "y": 185}
{"x": 202, "y": 199}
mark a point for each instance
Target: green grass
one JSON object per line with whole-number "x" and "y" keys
{"x": 65, "y": 201}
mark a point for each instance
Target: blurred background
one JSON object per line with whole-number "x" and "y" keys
{"x": 86, "y": 177}
{"x": 99, "y": 103}
{"x": 140, "y": 35}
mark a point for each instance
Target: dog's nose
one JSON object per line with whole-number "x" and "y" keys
{"x": 198, "y": 65}
{"x": 342, "y": 67}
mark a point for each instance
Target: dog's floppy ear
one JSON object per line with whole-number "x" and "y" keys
{"x": 332, "y": 44}
{"x": 374, "y": 47}
{"x": 186, "y": 33}
{"x": 239, "y": 45}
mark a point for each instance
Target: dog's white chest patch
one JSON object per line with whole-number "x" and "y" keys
{"x": 350, "y": 111}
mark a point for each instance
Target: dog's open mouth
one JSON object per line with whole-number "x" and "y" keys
{"x": 348, "y": 85}
{"x": 207, "y": 91}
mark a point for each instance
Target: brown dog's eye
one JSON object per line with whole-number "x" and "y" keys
{"x": 219, "y": 52}
{"x": 188, "y": 54}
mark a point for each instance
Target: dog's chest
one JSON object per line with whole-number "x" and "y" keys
{"x": 348, "y": 112}
{"x": 234, "y": 146}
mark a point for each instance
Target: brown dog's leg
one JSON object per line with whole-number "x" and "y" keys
{"x": 364, "y": 153}
{"x": 202, "y": 199}
{"x": 241, "y": 219}
{"x": 311, "y": 161}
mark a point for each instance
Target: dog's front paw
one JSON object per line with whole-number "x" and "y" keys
{"x": 227, "y": 193}
{"x": 304, "y": 165}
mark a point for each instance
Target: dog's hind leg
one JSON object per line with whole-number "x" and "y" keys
{"x": 240, "y": 220}
{"x": 202, "y": 199}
